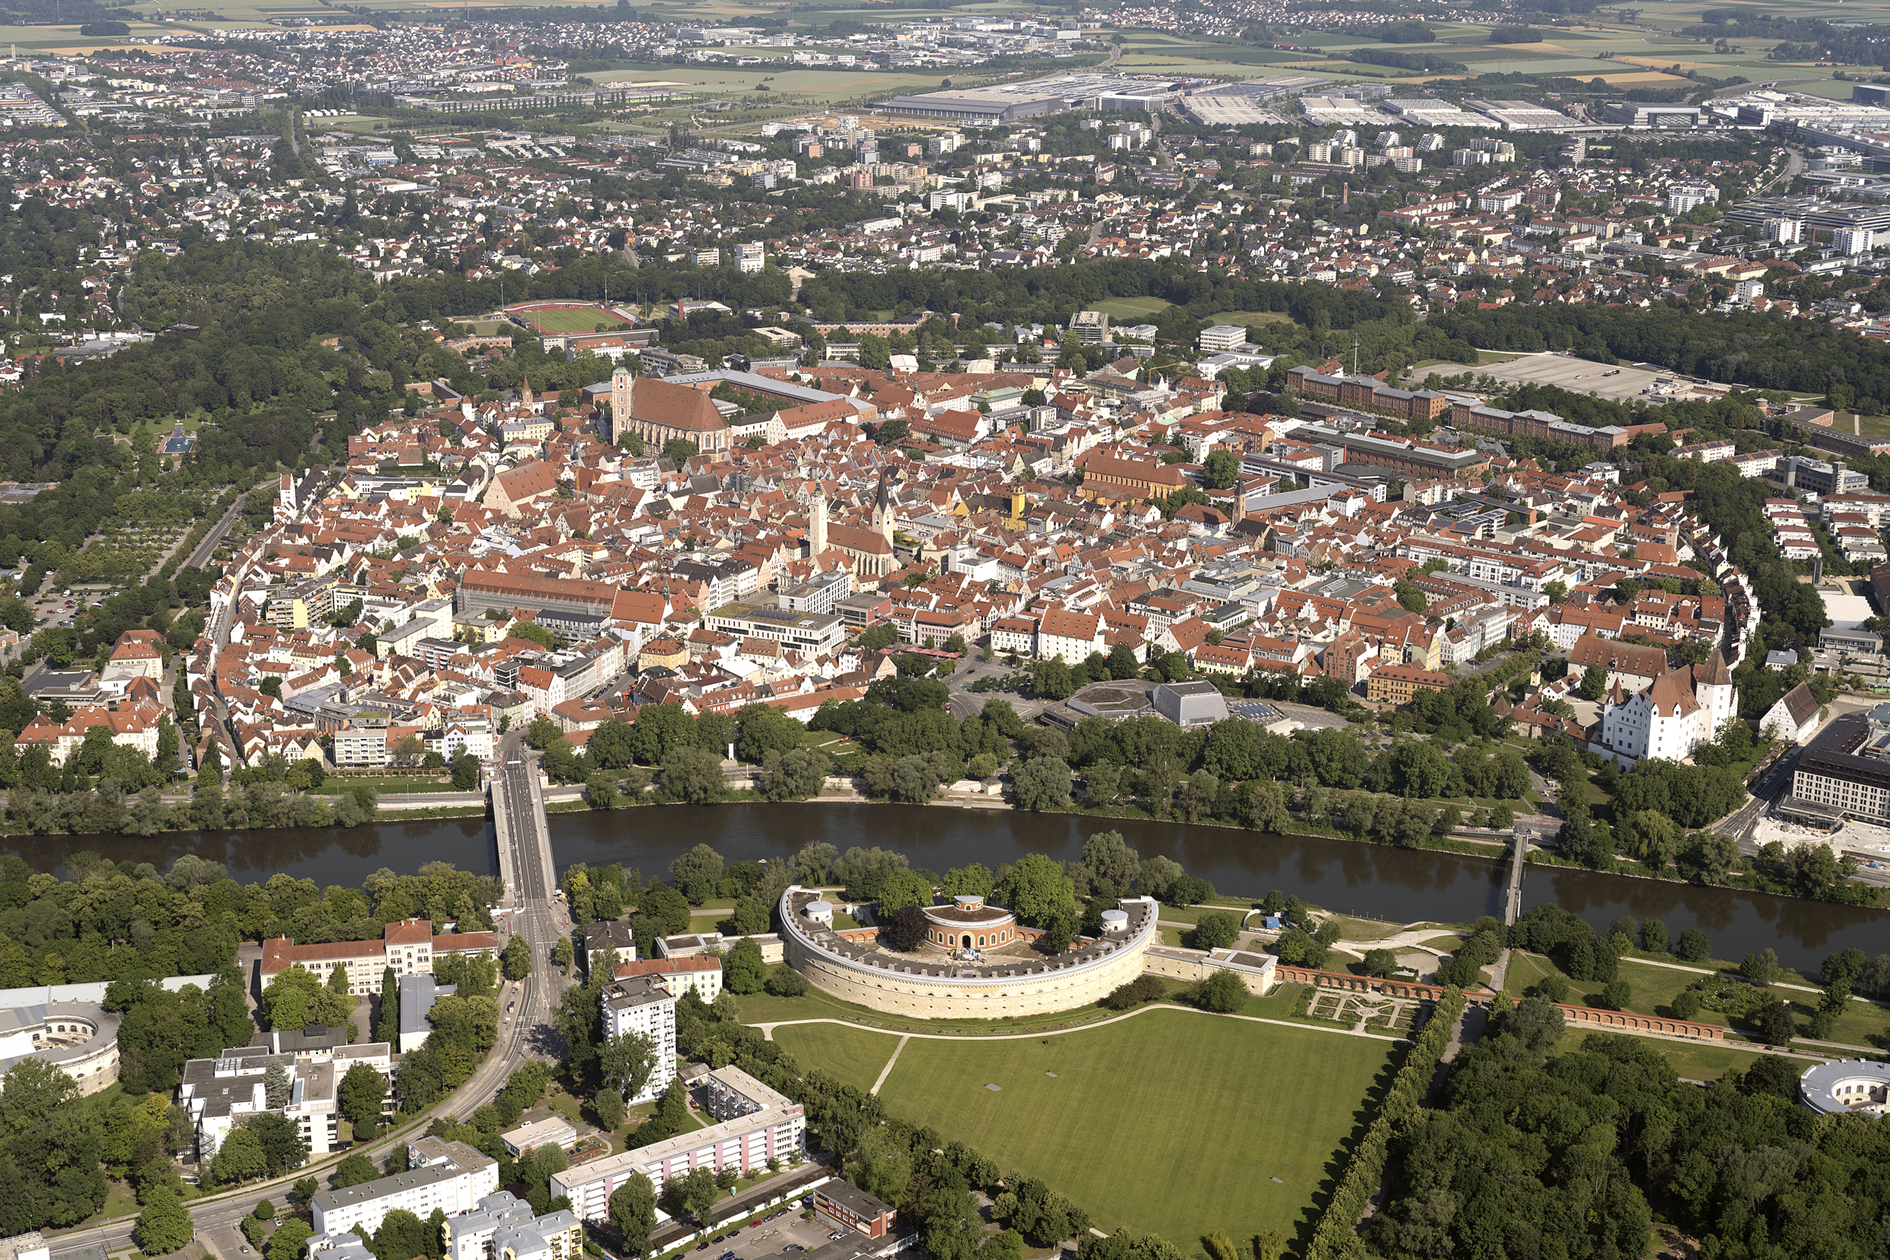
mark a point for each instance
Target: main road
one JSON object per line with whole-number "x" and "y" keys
{"x": 525, "y": 1007}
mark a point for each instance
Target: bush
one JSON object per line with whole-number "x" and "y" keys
{"x": 1136, "y": 992}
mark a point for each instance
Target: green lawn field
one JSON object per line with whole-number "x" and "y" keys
{"x": 1133, "y": 310}
{"x": 1172, "y": 1122}
{"x": 580, "y": 319}
{"x": 852, "y": 1055}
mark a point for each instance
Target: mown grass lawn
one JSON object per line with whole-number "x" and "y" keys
{"x": 852, "y": 1055}
{"x": 1172, "y": 1123}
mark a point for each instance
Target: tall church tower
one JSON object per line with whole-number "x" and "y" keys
{"x": 622, "y": 383}
{"x": 882, "y": 508}
{"x": 817, "y": 525}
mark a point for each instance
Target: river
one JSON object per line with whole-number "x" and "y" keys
{"x": 1363, "y": 879}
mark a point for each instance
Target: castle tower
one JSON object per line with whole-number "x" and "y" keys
{"x": 817, "y": 525}
{"x": 622, "y": 383}
{"x": 1713, "y": 687}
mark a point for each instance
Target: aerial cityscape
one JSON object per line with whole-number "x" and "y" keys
{"x": 809, "y": 631}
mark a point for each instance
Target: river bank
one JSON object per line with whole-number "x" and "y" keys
{"x": 1367, "y": 881}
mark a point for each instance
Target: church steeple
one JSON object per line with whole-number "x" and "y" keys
{"x": 882, "y": 507}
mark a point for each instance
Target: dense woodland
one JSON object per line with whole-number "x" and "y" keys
{"x": 1571, "y": 1156}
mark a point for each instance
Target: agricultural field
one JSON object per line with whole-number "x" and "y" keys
{"x": 1198, "y": 1129}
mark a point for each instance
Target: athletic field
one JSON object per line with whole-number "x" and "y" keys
{"x": 565, "y": 319}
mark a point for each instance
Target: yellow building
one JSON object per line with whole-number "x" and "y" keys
{"x": 1396, "y": 684}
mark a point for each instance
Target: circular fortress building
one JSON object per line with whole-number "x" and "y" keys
{"x": 1847, "y": 1085}
{"x": 974, "y": 962}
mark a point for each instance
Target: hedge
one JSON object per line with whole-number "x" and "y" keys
{"x": 1336, "y": 1236}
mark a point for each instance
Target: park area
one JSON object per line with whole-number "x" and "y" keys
{"x": 1172, "y": 1122}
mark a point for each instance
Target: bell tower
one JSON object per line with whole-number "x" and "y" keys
{"x": 882, "y": 508}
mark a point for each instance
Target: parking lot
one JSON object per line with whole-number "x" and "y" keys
{"x": 786, "y": 1234}
{"x": 1577, "y": 375}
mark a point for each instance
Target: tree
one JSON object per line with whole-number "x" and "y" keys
{"x": 784, "y": 981}
{"x": 32, "y": 1090}
{"x": 744, "y": 971}
{"x": 696, "y": 873}
{"x": 353, "y": 1170}
{"x": 465, "y": 772}
{"x": 626, "y": 1061}
{"x": 1216, "y": 931}
{"x": 693, "y": 775}
{"x": 899, "y": 890}
{"x": 276, "y": 1084}
{"x": 610, "y": 1109}
{"x": 1693, "y": 946}
{"x": 666, "y": 908}
{"x": 632, "y": 1209}
{"x": 1535, "y": 1022}
{"x": 1042, "y": 783}
{"x": 1594, "y": 683}
{"x": 1222, "y": 469}
{"x": 679, "y": 451}
{"x": 1036, "y": 890}
{"x": 516, "y": 960}
{"x": 290, "y": 1240}
{"x": 691, "y": 1194}
{"x": 563, "y": 955}
{"x": 1776, "y": 1025}
{"x": 1616, "y": 995}
{"x": 239, "y": 1158}
{"x": 387, "y": 1027}
{"x": 1761, "y": 968}
{"x": 362, "y": 1092}
{"x": 1224, "y": 991}
{"x": 164, "y": 1225}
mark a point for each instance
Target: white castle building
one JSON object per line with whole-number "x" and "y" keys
{"x": 1671, "y": 716}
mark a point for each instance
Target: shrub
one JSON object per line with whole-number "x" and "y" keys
{"x": 1136, "y": 992}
